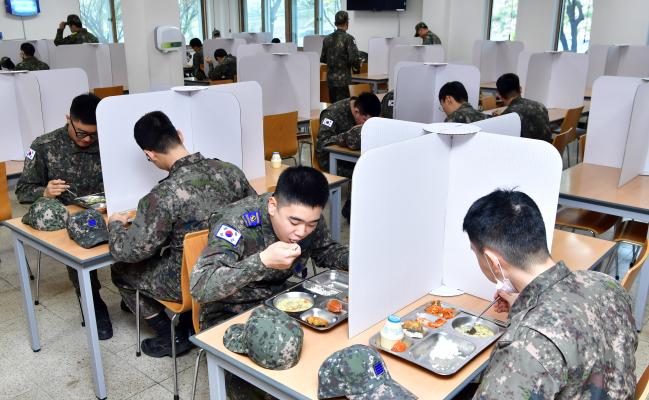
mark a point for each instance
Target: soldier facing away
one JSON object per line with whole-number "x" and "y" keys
{"x": 454, "y": 100}
{"x": 29, "y": 61}
{"x": 79, "y": 34}
{"x": 225, "y": 68}
{"x": 150, "y": 251}
{"x": 340, "y": 53}
{"x": 571, "y": 334}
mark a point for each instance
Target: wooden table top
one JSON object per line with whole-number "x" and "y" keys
{"x": 578, "y": 252}
{"x": 600, "y": 183}
{"x": 267, "y": 183}
{"x": 334, "y": 148}
{"x": 14, "y": 167}
{"x": 375, "y": 77}
{"x": 492, "y": 86}
{"x": 554, "y": 114}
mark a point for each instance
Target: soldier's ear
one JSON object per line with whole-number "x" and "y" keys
{"x": 272, "y": 206}
{"x": 181, "y": 136}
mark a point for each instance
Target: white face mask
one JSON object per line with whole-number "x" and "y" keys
{"x": 505, "y": 285}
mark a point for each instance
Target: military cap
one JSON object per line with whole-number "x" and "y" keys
{"x": 270, "y": 338}
{"x": 88, "y": 228}
{"x": 358, "y": 372}
{"x": 341, "y": 18}
{"x": 46, "y": 215}
{"x": 419, "y": 26}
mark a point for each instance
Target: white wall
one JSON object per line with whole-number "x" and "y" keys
{"x": 224, "y": 16}
{"x": 42, "y": 26}
{"x": 614, "y": 23}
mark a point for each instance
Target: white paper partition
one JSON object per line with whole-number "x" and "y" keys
{"x": 495, "y": 58}
{"x": 284, "y": 79}
{"x": 523, "y": 64}
{"x": 57, "y": 90}
{"x": 10, "y": 134}
{"x": 401, "y": 53}
{"x": 508, "y": 125}
{"x": 598, "y": 55}
{"x": 314, "y": 78}
{"x": 417, "y": 87}
{"x": 634, "y": 61}
{"x": 313, "y": 43}
{"x": 231, "y": 46}
{"x": 637, "y": 144}
{"x": 439, "y": 175}
{"x": 118, "y": 64}
{"x": 254, "y": 37}
{"x": 94, "y": 59}
{"x": 378, "y": 62}
{"x": 557, "y": 79}
{"x": 288, "y": 47}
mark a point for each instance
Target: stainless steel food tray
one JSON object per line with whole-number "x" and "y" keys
{"x": 320, "y": 289}
{"x": 419, "y": 350}
{"x": 87, "y": 202}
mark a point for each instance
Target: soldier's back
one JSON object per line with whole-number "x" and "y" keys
{"x": 535, "y": 123}
{"x": 466, "y": 114}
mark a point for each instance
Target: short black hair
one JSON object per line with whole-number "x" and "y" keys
{"x": 218, "y": 53}
{"x": 368, "y": 104}
{"x": 6, "y": 63}
{"x": 508, "y": 85}
{"x": 275, "y": 40}
{"x": 84, "y": 108}
{"x": 341, "y": 18}
{"x": 195, "y": 42}
{"x": 74, "y": 19}
{"x": 155, "y": 132}
{"x": 302, "y": 185}
{"x": 28, "y": 49}
{"x": 510, "y": 222}
{"x": 454, "y": 89}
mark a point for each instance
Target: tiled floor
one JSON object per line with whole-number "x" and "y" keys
{"x": 61, "y": 369}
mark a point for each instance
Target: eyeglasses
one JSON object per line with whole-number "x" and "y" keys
{"x": 148, "y": 158}
{"x": 83, "y": 134}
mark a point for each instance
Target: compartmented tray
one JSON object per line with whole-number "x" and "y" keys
{"x": 95, "y": 201}
{"x": 307, "y": 301}
{"x": 443, "y": 350}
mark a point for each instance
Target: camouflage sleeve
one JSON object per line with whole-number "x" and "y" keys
{"x": 530, "y": 367}
{"x": 351, "y": 138}
{"x": 353, "y": 57}
{"x": 148, "y": 233}
{"x": 33, "y": 180}
{"x": 217, "y": 72}
{"x": 325, "y": 252}
{"x": 221, "y": 270}
{"x": 326, "y": 137}
{"x": 240, "y": 183}
{"x": 59, "y": 39}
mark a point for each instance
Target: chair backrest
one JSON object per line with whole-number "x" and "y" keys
{"x": 363, "y": 68}
{"x": 582, "y": 147}
{"x": 642, "y": 388}
{"x": 357, "y": 89}
{"x": 571, "y": 119}
{"x": 632, "y": 274}
{"x": 5, "y": 203}
{"x": 324, "y": 92}
{"x": 489, "y": 103}
{"x": 562, "y": 139}
{"x": 280, "y": 134}
{"x": 221, "y": 81}
{"x": 108, "y": 91}
{"x": 193, "y": 245}
{"x": 323, "y": 72}
{"x": 314, "y": 127}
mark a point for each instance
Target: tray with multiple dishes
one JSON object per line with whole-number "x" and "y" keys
{"x": 319, "y": 302}
{"x": 95, "y": 201}
{"x": 436, "y": 337}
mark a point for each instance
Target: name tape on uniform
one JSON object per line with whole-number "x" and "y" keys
{"x": 229, "y": 234}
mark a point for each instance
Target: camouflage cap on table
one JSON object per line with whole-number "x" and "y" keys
{"x": 88, "y": 228}
{"x": 358, "y": 372}
{"x": 270, "y": 338}
{"x": 46, "y": 215}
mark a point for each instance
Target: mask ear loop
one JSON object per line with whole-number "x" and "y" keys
{"x": 490, "y": 267}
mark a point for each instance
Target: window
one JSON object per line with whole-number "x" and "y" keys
{"x": 328, "y": 10}
{"x": 252, "y": 16}
{"x": 303, "y": 20}
{"x": 276, "y": 19}
{"x": 502, "y": 24}
{"x": 191, "y": 19}
{"x": 574, "y": 30}
{"x": 103, "y": 18}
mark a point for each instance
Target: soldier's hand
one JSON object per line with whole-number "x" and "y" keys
{"x": 54, "y": 188}
{"x": 208, "y": 60}
{"x": 505, "y": 300}
{"x": 62, "y": 25}
{"x": 121, "y": 217}
{"x": 280, "y": 255}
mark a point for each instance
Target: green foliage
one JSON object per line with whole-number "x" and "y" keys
{"x": 503, "y": 20}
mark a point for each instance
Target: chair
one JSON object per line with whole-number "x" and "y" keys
{"x": 192, "y": 245}
{"x": 363, "y": 68}
{"x": 582, "y": 147}
{"x": 323, "y": 72}
{"x": 594, "y": 222}
{"x": 489, "y": 103}
{"x": 324, "y": 92}
{"x": 633, "y": 233}
{"x": 314, "y": 127}
{"x": 560, "y": 142}
{"x": 280, "y": 135}
{"x": 359, "y": 88}
{"x": 571, "y": 120}
{"x": 632, "y": 274}
{"x": 642, "y": 388}
{"x": 221, "y": 82}
{"x": 103, "y": 92}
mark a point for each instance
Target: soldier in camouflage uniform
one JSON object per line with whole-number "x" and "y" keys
{"x": 150, "y": 251}
{"x": 455, "y": 102}
{"x": 29, "y": 62}
{"x": 79, "y": 34}
{"x": 340, "y": 53}
{"x": 571, "y": 334}
{"x": 358, "y": 370}
{"x": 387, "y": 105}
{"x": 197, "y": 59}
{"x": 535, "y": 123}
{"x": 339, "y": 118}
{"x": 225, "y": 68}
{"x": 428, "y": 37}
{"x": 63, "y": 161}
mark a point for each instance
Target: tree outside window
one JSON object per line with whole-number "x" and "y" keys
{"x": 191, "y": 19}
{"x": 252, "y": 16}
{"x": 328, "y": 10}
{"x": 503, "y": 20}
{"x": 96, "y": 17}
{"x": 576, "y": 20}
{"x": 276, "y": 21}
{"x": 303, "y": 19}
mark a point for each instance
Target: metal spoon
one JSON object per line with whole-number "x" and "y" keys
{"x": 72, "y": 193}
{"x": 472, "y": 331}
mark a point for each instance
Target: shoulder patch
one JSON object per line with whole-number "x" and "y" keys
{"x": 251, "y": 219}
{"x": 229, "y": 234}
{"x": 30, "y": 153}
{"x": 391, "y": 103}
{"x": 327, "y": 122}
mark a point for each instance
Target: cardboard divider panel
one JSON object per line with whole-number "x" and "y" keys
{"x": 420, "y": 53}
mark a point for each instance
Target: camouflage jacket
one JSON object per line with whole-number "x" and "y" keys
{"x": 83, "y": 36}
{"x": 334, "y": 120}
{"x": 197, "y": 60}
{"x": 387, "y": 105}
{"x": 571, "y": 336}
{"x": 55, "y": 156}
{"x": 535, "y": 123}
{"x": 340, "y": 53}
{"x": 226, "y": 69}
{"x": 229, "y": 279}
{"x": 465, "y": 114}
{"x": 431, "y": 38}
{"x": 351, "y": 138}
{"x": 31, "y": 64}
{"x": 179, "y": 204}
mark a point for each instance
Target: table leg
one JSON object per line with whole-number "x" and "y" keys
{"x": 21, "y": 260}
{"x": 216, "y": 378}
{"x": 91, "y": 332}
{"x": 333, "y": 164}
{"x": 335, "y": 195}
{"x": 641, "y": 296}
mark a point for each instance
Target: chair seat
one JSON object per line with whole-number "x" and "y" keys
{"x": 592, "y": 221}
{"x": 633, "y": 232}
{"x": 176, "y": 308}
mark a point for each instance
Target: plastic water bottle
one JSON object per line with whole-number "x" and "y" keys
{"x": 392, "y": 332}
{"x": 276, "y": 160}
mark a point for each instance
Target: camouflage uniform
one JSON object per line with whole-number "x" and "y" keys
{"x": 431, "y": 38}
{"x": 465, "y": 114}
{"x": 571, "y": 336}
{"x": 82, "y": 36}
{"x": 31, "y": 64}
{"x": 55, "y": 156}
{"x": 229, "y": 279}
{"x": 334, "y": 120}
{"x": 87, "y": 228}
{"x": 197, "y": 60}
{"x": 340, "y": 53}
{"x": 387, "y": 105}
{"x": 351, "y": 138}
{"x": 226, "y": 69}
{"x": 151, "y": 250}
{"x": 535, "y": 123}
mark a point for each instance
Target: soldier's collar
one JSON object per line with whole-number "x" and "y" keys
{"x": 542, "y": 283}
{"x": 187, "y": 160}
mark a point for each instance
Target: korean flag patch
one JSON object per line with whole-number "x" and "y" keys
{"x": 327, "y": 122}
{"x": 229, "y": 234}
{"x": 391, "y": 103}
{"x": 30, "y": 154}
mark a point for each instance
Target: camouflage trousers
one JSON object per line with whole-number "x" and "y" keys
{"x": 155, "y": 278}
{"x": 337, "y": 93}
{"x": 74, "y": 278}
